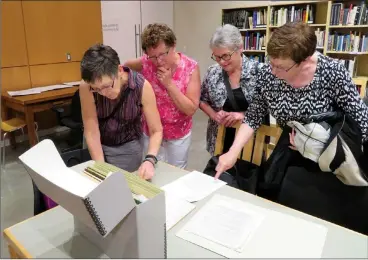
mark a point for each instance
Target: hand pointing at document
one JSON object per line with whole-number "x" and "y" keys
{"x": 226, "y": 161}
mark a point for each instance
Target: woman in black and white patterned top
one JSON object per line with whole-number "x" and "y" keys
{"x": 297, "y": 82}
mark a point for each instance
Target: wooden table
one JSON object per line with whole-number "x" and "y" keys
{"x": 31, "y": 104}
{"x": 52, "y": 235}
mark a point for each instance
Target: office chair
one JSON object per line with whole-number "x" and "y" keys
{"x": 72, "y": 120}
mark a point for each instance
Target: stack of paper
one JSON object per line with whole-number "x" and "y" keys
{"x": 136, "y": 184}
{"x": 236, "y": 229}
{"x": 193, "y": 186}
{"x": 73, "y": 83}
{"x": 37, "y": 90}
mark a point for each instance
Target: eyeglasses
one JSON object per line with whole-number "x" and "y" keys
{"x": 99, "y": 90}
{"x": 276, "y": 67}
{"x": 159, "y": 57}
{"x": 225, "y": 57}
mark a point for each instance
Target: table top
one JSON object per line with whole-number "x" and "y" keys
{"x": 41, "y": 97}
{"x": 51, "y": 234}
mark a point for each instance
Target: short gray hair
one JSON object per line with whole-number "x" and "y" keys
{"x": 226, "y": 36}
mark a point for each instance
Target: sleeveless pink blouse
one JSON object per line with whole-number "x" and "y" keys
{"x": 175, "y": 123}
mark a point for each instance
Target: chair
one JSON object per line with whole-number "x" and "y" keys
{"x": 10, "y": 126}
{"x": 72, "y": 120}
{"x": 256, "y": 148}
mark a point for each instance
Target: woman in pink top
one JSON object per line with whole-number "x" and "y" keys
{"x": 176, "y": 82}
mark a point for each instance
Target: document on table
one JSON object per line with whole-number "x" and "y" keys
{"x": 237, "y": 229}
{"x": 37, "y": 90}
{"x": 26, "y": 92}
{"x": 194, "y": 186}
{"x": 176, "y": 209}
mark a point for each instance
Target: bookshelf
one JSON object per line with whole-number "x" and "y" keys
{"x": 341, "y": 28}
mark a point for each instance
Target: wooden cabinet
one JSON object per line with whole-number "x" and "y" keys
{"x": 124, "y": 21}
{"x": 13, "y": 42}
{"x": 16, "y": 78}
{"x": 55, "y": 29}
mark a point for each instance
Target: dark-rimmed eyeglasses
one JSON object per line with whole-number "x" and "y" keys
{"x": 276, "y": 67}
{"x": 159, "y": 57}
{"x": 225, "y": 57}
{"x": 93, "y": 90}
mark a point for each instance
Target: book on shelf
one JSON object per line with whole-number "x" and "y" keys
{"x": 352, "y": 42}
{"x": 349, "y": 14}
{"x": 349, "y": 64}
{"x": 281, "y": 15}
{"x": 254, "y": 41}
{"x": 244, "y": 19}
{"x": 320, "y": 37}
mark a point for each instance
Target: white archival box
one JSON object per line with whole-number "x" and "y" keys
{"x": 105, "y": 213}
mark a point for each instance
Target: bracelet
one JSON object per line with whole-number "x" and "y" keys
{"x": 150, "y": 156}
{"x": 149, "y": 160}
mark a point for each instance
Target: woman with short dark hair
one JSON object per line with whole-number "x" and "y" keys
{"x": 113, "y": 99}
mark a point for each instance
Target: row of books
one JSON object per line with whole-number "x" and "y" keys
{"x": 349, "y": 14}
{"x": 244, "y": 19}
{"x": 282, "y": 15}
{"x": 254, "y": 41}
{"x": 352, "y": 42}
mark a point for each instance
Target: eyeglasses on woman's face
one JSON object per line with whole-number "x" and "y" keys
{"x": 160, "y": 56}
{"x": 102, "y": 88}
{"x": 224, "y": 57}
{"x": 278, "y": 67}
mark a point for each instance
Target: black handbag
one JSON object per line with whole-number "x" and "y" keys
{"x": 243, "y": 175}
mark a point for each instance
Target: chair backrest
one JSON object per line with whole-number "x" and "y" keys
{"x": 75, "y": 108}
{"x": 254, "y": 150}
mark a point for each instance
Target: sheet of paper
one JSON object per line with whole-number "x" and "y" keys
{"x": 176, "y": 209}
{"x": 194, "y": 186}
{"x": 264, "y": 233}
{"x": 224, "y": 224}
{"x": 54, "y": 169}
{"x": 26, "y": 92}
{"x": 73, "y": 83}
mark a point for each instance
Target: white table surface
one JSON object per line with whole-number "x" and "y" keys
{"x": 51, "y": 234}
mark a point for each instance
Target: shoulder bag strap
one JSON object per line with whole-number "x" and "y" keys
{"x": 230, "y": 93}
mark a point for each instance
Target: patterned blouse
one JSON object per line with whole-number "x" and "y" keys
{"x": 331, "y": 86}
{"x": 213, "y": 92}
{"x": 175, "y": 123}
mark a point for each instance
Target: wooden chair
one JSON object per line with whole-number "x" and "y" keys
{"x": 10, "y": 126}
{"x": 256, "y": 147}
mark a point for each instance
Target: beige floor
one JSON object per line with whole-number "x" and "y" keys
{"x": 16, "y": 186}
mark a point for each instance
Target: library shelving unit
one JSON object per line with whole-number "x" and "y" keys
{"x": 341, "y": 28}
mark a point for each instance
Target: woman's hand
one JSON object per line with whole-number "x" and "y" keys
{"x": 146, "y": 170}
{"x": 292, "y": 142}
{"x": 226, "y": 161}
{"x": 233, "y": 118}
{"x": 164, "y": 76}
{"x": 219, "y": 116}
